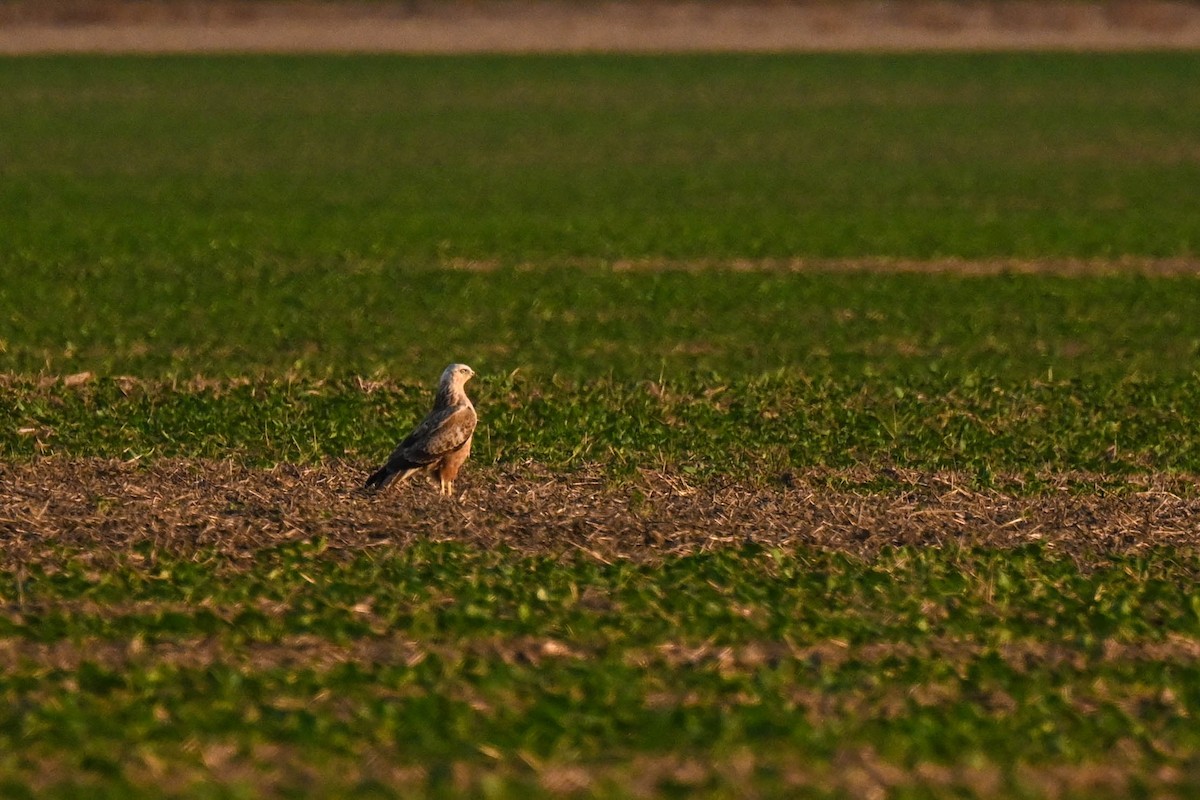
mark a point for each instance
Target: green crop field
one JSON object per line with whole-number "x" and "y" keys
{"x": 838, "y": 426}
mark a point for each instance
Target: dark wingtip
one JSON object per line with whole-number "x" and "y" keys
{"x": 376, "y": 480}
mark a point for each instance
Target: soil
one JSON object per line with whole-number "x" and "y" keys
{"x": 455, "y": 26}
{"x": 184, "y": 505}
{"x": 1069, "y": 267}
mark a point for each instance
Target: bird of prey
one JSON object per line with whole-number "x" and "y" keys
{"x": 442, "y": 442}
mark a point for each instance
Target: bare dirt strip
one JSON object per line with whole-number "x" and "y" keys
{"x": 390, "y": 648}
{"x": 184, "y": 505}
{"x": 512, "y": 26}
{"x": 1067, "y": 267}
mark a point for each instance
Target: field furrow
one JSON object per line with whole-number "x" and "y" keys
{"x": 184, "y": 505}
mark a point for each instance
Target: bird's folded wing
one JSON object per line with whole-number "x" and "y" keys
{"x": 442, "y": 432}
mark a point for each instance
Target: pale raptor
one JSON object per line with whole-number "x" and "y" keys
{"x": 442, "y": 442}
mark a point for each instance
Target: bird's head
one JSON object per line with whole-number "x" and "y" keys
{"x": 457, "y": 375}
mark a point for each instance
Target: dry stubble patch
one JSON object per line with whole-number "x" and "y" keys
{"x": 631, "y": 25}
{"x": 1066, "y": 267}
{"x": 390, "y": 648}
{"x": 852, "y": 771}
{"x": 187, "y": 505}
{"x": 967, "y": 267}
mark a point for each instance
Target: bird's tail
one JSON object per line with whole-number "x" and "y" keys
{"x": 380, "y": 477}
{"x": 384, "y": 475}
